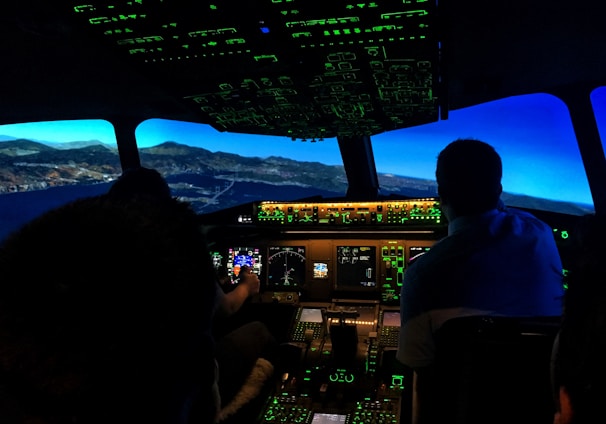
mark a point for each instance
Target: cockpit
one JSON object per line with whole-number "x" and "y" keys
{"x": 305, "y": 136}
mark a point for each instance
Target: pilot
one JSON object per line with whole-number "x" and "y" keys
{"x": 494, "y": 261}
{"x": 104, "y": 317}
{"x": 243, "y": 350}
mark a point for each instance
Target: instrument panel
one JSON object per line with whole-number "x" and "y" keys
{"x": 322, "y": 268}
{"x": 347, "y": 372}
{"x": 379, "y": 213}
{"x": 337, "y": 268}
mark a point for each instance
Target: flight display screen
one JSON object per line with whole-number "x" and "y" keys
{"x": 356, "y": 267}
{"x": 324, "y": 418}
{"x": 237, "y": 257}
{"x": 311, "y": 315}
{"x": 391, "y": 319}
{"x": 285, "y": 267}
{"x": 415, "y": 252}
{"x": 320, "y": 270}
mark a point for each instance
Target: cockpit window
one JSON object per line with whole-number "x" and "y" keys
{"x": 598, "y": 101}
{"x": 47, "y": 164}
{"x": 532, "y": 133}
{"x": 215, "y": 170}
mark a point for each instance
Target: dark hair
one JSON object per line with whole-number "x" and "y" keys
{"x": 469, "y": 174}
{"x": 105, "y": 312}
{"x": 140, "y": 182}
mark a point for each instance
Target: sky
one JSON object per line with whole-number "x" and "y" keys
{"x": 533, "y": 134}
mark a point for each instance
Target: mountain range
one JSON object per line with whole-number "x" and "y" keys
{"x": 211, "y": 181}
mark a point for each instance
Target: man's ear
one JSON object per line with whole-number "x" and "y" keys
{"x": 564, "y": 415}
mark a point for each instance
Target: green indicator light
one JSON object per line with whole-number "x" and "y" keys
{"x": 84, "y": 8}
{"x": 266, "y": 57}
{"x": 96, "y": 21}
{"x": 235, "y": 41}
{"x": 564, "y": 235}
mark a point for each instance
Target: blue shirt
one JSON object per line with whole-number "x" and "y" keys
{"x": 502, "y": 262}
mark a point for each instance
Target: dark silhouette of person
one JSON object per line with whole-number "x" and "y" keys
{"x": 495, "y": 260}
{"x": 105, "y": 316}
{"x": 246, "y": 348}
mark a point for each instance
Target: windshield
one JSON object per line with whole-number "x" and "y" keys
{"x": 542, "y": 165}
{"x": 46, "y": 164}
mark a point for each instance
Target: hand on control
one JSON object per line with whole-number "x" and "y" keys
{"x": 250, "y": 280}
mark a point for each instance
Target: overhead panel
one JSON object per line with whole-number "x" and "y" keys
{"x": 306, "y": 69}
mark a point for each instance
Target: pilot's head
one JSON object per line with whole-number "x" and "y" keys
{"x": 140, "y": 182}
{"x": 468, "y": 173}
{"x": 105, "y": 313}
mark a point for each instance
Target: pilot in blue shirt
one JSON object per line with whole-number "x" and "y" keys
{"x": 494, "y": 260}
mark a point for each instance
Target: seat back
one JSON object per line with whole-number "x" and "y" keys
{"x": 492, "y": 370}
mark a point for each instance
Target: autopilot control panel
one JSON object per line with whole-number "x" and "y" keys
{"x": 377, "y": 213}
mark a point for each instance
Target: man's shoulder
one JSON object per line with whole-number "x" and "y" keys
{"x": 526, "y": 221}
{"x": 522, "y": 214}
{"x": 439, "y": 258}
